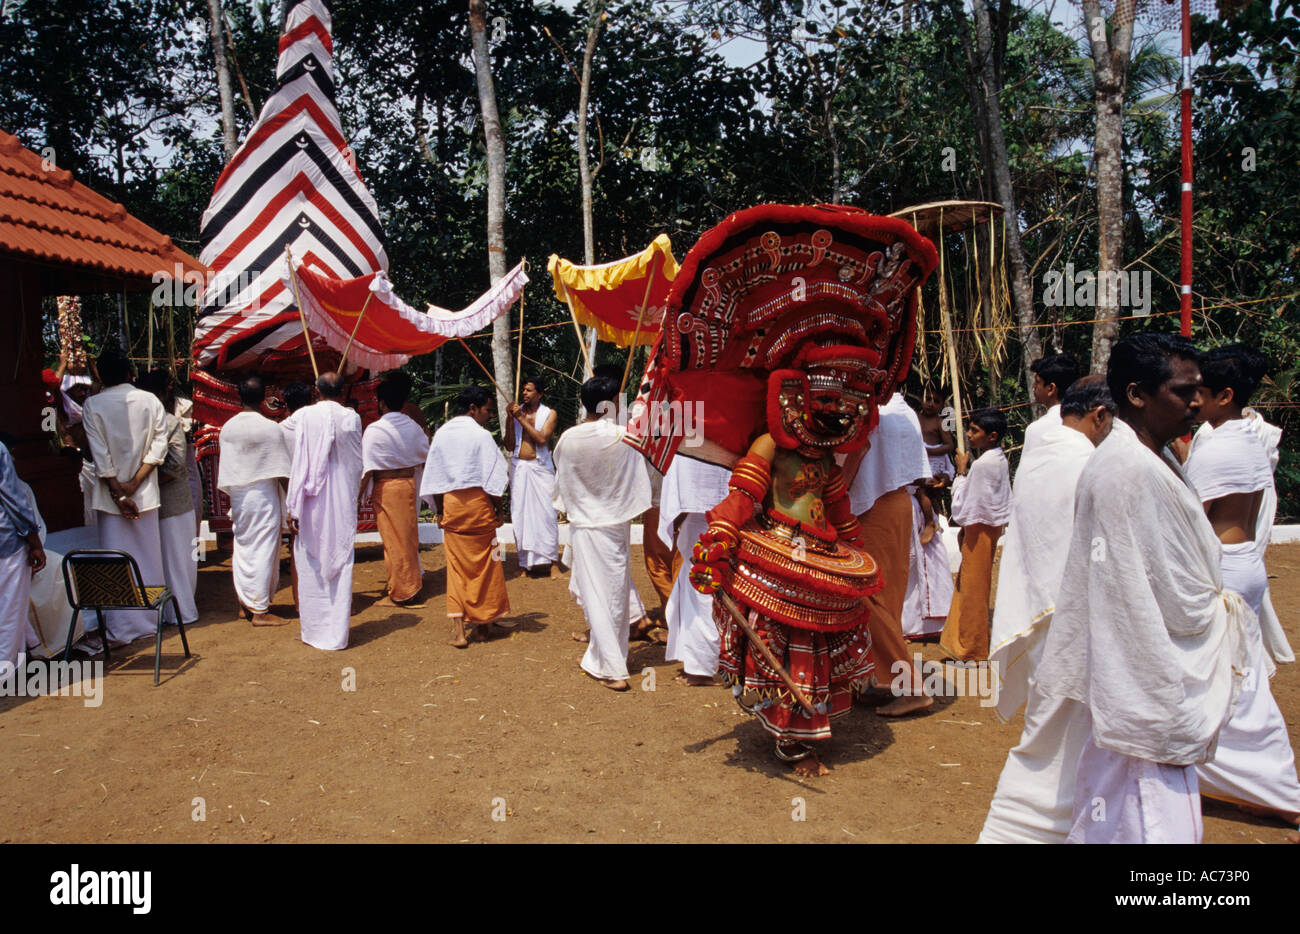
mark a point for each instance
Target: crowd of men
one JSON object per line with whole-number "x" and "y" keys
{"x": 1132, "y": 619}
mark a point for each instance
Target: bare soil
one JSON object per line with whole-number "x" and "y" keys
{"x": 503, "y": 741}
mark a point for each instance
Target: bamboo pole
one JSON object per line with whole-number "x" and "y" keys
{"x": 519, "y": 356}
{"x": 302, "y": 315}
{"x": 475, "y": 358}
{"x": 640, "y": 316}
{"x": 950, "y": 347}
{"x": 149, "y": 331}
{"x": 356, "y": 327}
{"x": 171, "y": 341}
{"x": 577, "y": 329}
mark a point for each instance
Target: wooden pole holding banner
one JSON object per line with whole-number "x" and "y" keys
{"x": 631, "y": 351}
{"x": 302, "y": 315}
{"x": 577, "y": 329}
{"x": 475, "y": 358}
{"x": 950, "y": 346}
{"x": 519, "y": 357}
{"x": 356, "y": 327}
{"x": 149, "y": 329}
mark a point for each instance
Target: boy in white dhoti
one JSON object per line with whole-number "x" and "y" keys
{"x": 1144, "y": 635}
{"x": 528, "y": 431}
{"x": 21, "y": 556}
{"x": 322, "y": 503}
{"x": 176, "y": 524}
{"x": 602, "y": 485}
{"x": 691, "y": 488}
{"x": 1053, "y": 375}
{"x": 1254, "y": 766}
{"x": 254, "y": 469}
{"x": 1034, "y": 801}
{"x": 127, "y": 432}
{"x": 393, "y": 451}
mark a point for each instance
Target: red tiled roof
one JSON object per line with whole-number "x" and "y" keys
{"x": 46, "y": 215}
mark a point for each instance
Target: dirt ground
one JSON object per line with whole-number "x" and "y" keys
{"x": 504, "y": 741}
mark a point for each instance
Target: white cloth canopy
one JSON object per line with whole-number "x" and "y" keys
{"x": 1033, "y": 558}
{"x": 1144, "y": 634}
{"x": 253, "y": 449}
{"x": 983, "y": 495}
{"x": 599, "y": 480}
{"x": 895, "y": 456}
{"x": 463, "y": 456}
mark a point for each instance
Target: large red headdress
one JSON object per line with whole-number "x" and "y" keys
{"x": 754, "y": 293}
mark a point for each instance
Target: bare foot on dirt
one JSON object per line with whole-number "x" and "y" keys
{"x": 694, "y": 681}
{"x": 614, "y": 684}
{"x": 245, "y": 612}
{"x": 646, "y": 630}
{"x": 579, "y": 637}
{"x": 458, "y": 638}
{"x": 266, "y": 619}
{"x": 811, "y": 767}
{"x": 556, "y": 571}
{"x": 907, "y": 704}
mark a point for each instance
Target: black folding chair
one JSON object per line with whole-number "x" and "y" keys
{"x": 101, "y": 579}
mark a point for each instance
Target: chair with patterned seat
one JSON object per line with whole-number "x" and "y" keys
{"x": 100, "y": 579}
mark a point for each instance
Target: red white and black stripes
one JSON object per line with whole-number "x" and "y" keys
{"x": 293, "y": 182}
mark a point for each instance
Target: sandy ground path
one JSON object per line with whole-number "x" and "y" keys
{"x": 504, "y": 741}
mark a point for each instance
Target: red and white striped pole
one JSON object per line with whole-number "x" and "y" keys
{"x": 1185, "y": 93}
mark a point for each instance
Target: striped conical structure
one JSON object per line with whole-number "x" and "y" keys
{"x": 294, "y": 182}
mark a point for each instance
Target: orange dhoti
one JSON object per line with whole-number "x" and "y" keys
{"x": 661, "y": 561}
{"x": 398, "y": 518}
{"x": 966, "y": 635}
{"x": 476, "y": 582}
{"x": 887, "y": 536}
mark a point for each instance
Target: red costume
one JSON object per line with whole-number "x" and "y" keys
{"x": 784, "y": 328}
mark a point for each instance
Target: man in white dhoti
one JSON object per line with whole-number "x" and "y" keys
{"x": 528, "y": 431}
{"x": 929, "y": 576}
{"x": 176, "y": 523}
{"x": 21, "y": 556}
{"x": 1254, "y": 766}
{"x": 322, "y": 503}
{"x": 393, "y": 451}
{"x": 878, "y": 477}
{"x": 1034, "y": 801}
{"x": 602, "y": 485}
{"x": 1053, "y": 375}
{"x": 253, "y": 471}
{"x": 690, "y": 489}
{"x": 1144, "y": 635}
{"x": 126, "y": 428}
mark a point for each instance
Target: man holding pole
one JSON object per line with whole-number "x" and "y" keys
{"x": 532, "y": 480}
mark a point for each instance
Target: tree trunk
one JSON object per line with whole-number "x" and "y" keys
{"x": 1110, "y": 61}
{"x": 217, "y": 31}
{"x": 1021, "y": 289}
{"x": 585, "y": 173}
{"x": 502, "y": 358}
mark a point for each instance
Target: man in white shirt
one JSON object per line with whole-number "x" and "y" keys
{"x": 602, "y": 485}
{"x": 464, "y": 477}
{"x": 22, "y": 554}
{"x": 324, "y": 478}
{"x": 878, "y": 477}
{"x": 1144, "y": 636}
{"x": 1053, "y": 375}
{"x": 981, "y": 505}
{"x": 528, "y": 432}
{"x": 1034, "y": 801}
{"x": 253, "y": 471}
{"x": 127, "y": 432}
{"x": 393, "y": 451}
{"x": 1254, "y": 765}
